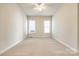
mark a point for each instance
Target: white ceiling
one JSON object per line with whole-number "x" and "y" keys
{"x": 51, "y": 9}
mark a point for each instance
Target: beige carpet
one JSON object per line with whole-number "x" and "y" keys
{"x": 38, "y": 47}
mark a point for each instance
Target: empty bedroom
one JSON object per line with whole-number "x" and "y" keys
{"x": 39, "y": 29}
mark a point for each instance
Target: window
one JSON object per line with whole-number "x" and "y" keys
{"x": 32, "y": 26}
{"x": 47, "y": 26}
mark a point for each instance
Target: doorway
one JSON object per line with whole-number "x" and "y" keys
{"x": 39, "y": 26}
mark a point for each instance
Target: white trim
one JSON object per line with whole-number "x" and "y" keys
{"x": 9, "y": 47}
{"x": 65, "y": 44}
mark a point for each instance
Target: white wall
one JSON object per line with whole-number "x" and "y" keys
{"x": 11, "y": 26}
{"x": 64, "y": 26}
{"x": 25, "y": 27}
{"x": 78, "y": 27}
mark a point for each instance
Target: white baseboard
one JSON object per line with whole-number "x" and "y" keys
{"x": 9, "y": 47}
{"x": 65, "y": 44}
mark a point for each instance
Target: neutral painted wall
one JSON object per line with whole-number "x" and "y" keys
{"x": 64, "y": 26}
{"x": 78, "y": 26}
{"x": 25, "y": 26}
{"x": 40, "y": 25}
{"x": 11, "y": 26}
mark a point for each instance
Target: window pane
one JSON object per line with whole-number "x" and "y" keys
{"x": 47, "y": 26}
{"x": 31, "y": 26}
